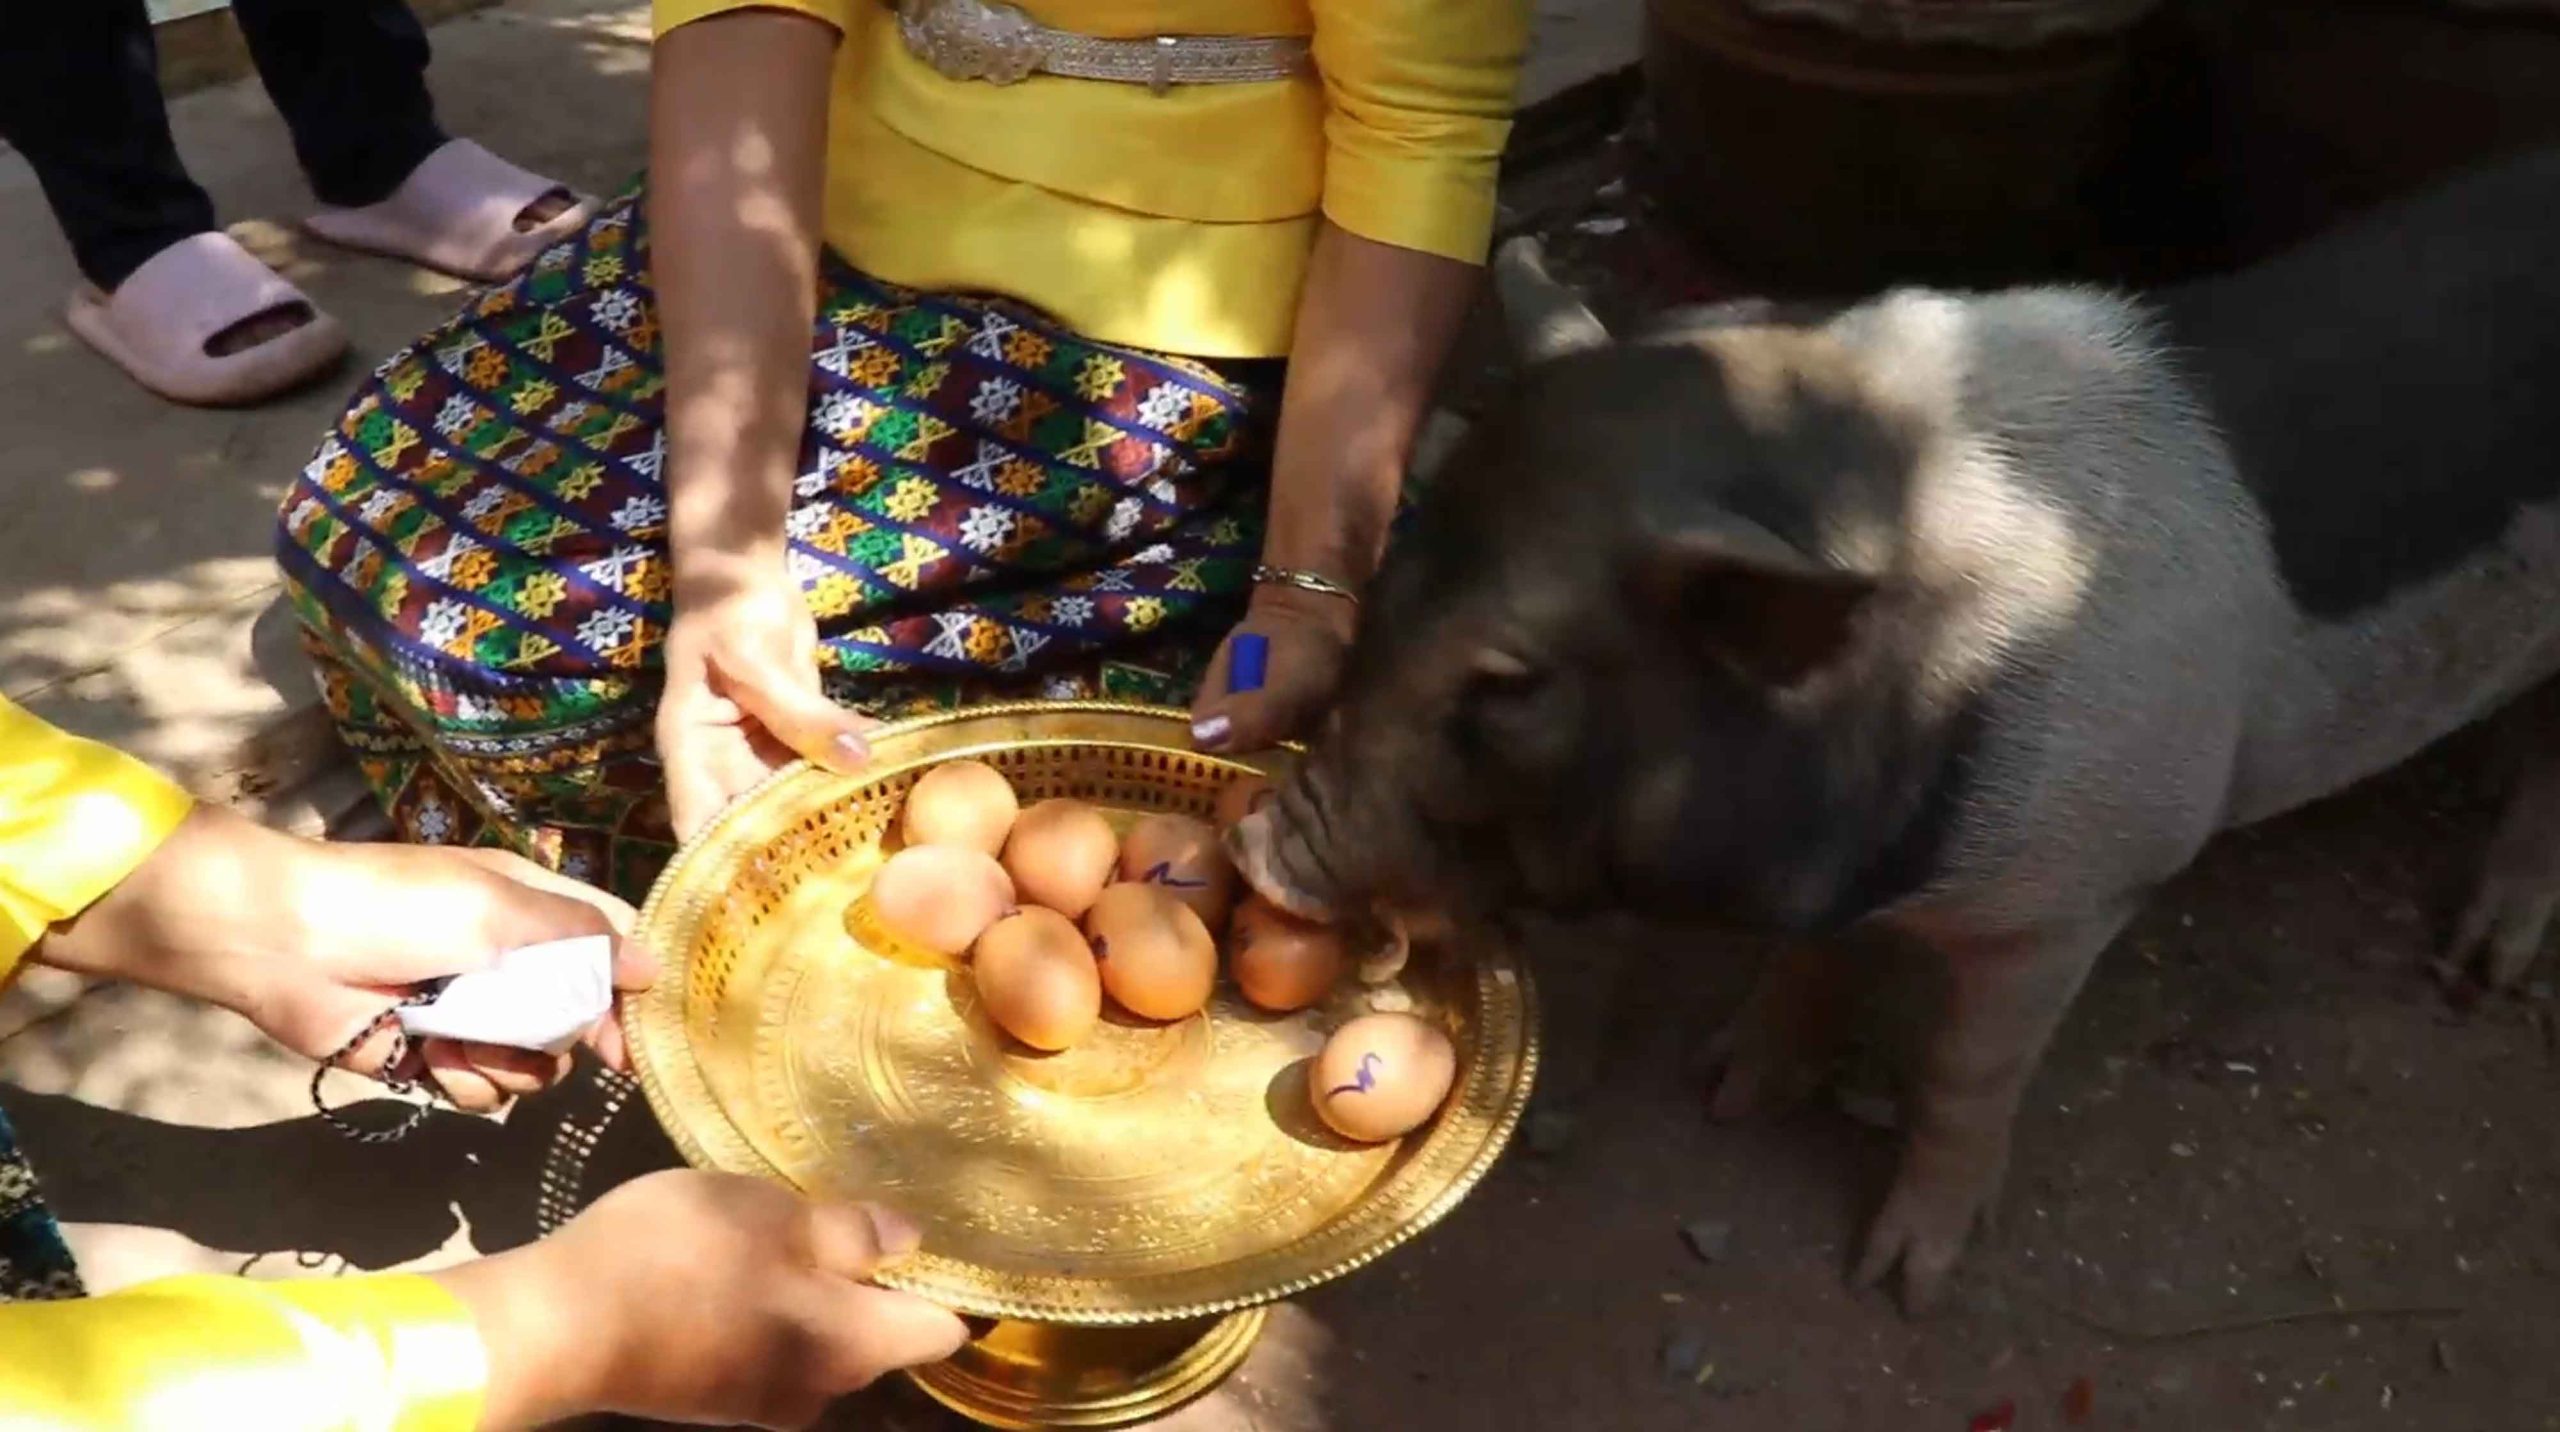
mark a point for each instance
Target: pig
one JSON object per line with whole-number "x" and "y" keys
{"x": 1960, "y": 619}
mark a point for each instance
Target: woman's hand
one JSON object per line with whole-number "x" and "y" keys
{"x": 702, "y": 1298}
{"x": 737, "y": 172}
{"x": 1308, "y": 635}
{"x": 311, "y": 941}
{"x": 743, "y": 698}
{"x": 1374, "y": 324}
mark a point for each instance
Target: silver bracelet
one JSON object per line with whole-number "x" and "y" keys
{"x": 1304, "y": 581}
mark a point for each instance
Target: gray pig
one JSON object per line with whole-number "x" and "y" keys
{"x": 1966, "y": 618}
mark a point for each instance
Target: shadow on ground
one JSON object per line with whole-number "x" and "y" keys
{"x": 299, "y": 1186}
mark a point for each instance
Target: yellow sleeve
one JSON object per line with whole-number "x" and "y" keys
{"x": 665, "y": 15}
{"x": 75, "y": 818}
{"x": 1419, "y": 96}
{"x": 379, "y": 1354}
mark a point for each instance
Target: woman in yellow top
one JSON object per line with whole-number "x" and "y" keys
{"x": 956, "y": 351}
{"x": 683, "y": 1296}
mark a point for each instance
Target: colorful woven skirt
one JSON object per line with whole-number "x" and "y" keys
{"x": 34, "y": 1263}
{"x": 988, "y": 506}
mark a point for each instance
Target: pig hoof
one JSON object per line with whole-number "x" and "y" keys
{"x": 2502, "y": 931}
{"x": 1923, "y": 1229}
{"x": 1782, "y": 1045}
{"x": 1753, "y": 1080}
{"x": 2519, "y": 885}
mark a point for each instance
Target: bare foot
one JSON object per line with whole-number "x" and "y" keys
{"x": 257, "y": 328}
{"x": 545, "y": 209}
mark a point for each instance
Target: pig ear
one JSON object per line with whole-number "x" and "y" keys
{"x": 1765, "y": 607}
{"x": 1544, "y": 318}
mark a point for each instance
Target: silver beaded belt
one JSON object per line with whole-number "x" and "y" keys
{"x": 992, "y": 41}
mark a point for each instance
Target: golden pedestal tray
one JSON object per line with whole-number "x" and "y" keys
{"x": 1124, "y": 1212}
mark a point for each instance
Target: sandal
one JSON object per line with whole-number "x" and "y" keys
{"x": 161, "y": 324}
{"x": 457, "y": 213}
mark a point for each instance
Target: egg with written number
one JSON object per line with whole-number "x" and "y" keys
{"x": 1036, "y": 978}
{"x": 1382, "y": 1076}
{"x": 1182, "y": 856}
{"x": 1157, "y": 957}
{"x": 1281, "y": 962}
{"x": 1061, "y": 854}
{"x": 939, "y": 897}
{"x": 964, "y": 803}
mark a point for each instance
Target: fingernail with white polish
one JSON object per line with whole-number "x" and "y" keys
{"x": 896, "y": 1233}
{"x": 1211, "y": 732}
{"x": 851, "y": 749}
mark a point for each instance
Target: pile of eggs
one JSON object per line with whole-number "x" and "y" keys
{"x": 1054, "y": 911}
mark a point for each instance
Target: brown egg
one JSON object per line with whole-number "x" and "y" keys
{"x": 1157, "y": 957}
{"x": 1382, "y": 1076}
{"x": 1242, "y": 796}
{"x": 1280, "y": 961}
{"x": 1181, "y": 855}
{"x": 964, "y": 803}
{"x": 1036, "y": 977}
{"x": 1061, "y": 854}
{"x": 938, "y": 897}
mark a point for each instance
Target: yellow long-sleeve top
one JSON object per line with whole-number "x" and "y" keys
{"x": 1182, "y": 221}
{"x": 392, "y": 1353}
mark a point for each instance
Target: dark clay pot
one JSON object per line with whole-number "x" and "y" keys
{"x": 1810, "y": 159}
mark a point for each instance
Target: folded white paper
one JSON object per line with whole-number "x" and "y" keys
{"x": 540, "y": 997}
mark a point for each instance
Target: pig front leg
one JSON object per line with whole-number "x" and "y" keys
{"x": 2005, "y": 998}
{"x": 1780, "y": 1047}
{"x": 2519, "y": 884}
{"x": 1580, "y": 977}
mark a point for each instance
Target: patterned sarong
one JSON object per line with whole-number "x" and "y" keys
{"x": 988, "y": 505}
{"x": 34, "y": 1264}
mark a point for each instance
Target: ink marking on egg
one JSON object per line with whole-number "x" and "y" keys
{"x": 1101, "y": 948}
{"x": 1364, "y": 1080}
{"x": 1161, "y": 873}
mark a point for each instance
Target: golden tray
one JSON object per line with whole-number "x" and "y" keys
{"x": 1126, "y": 1209}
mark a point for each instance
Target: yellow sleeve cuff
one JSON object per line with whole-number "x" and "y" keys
{"x": 396, "y": 1353}
{"x": 75, "y": 818}
{"x": 1419, "y": 96}
{"x": 665, "y": 15}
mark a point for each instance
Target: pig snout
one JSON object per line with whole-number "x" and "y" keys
{"x": 1271, "y": 851}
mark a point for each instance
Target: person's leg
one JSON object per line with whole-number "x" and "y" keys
{"x": 169, "y": 298}
{"x": 350, "y": 78}
{"x": 80, "y": 97}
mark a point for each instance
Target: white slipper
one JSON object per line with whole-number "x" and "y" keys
{"x": 456, "y": 213}
{"x": 158, "y": 323}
